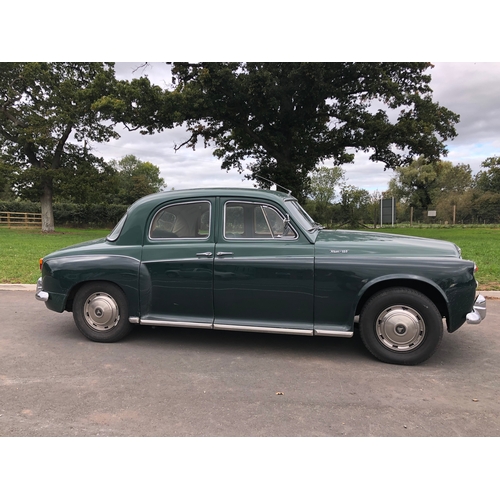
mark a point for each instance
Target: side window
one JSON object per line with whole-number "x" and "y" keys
{"x": 183, "y": 220}
{"x": 254, "y": 221}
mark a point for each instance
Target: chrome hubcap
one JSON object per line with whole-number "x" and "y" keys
{"x": 400, "y": 328}
{"x": 101, "y": 311}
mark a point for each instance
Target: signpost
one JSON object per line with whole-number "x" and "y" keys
{"x": 387, "y": 211}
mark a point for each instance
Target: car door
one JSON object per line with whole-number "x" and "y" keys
{"x": 177, "y": 266}
{"x": 263, "y": 270}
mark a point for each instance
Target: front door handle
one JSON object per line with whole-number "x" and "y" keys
{"x": 204, "y": 254}
{"x": 221, "y": 254}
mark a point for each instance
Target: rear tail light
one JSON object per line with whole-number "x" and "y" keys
{"x": 41, "y": 264}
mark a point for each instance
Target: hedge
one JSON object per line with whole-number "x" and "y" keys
{"x": 72, "y": 214}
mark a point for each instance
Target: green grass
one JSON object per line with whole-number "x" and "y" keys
{"x": 20, "y": 250}
{"x": 480, "y": 244}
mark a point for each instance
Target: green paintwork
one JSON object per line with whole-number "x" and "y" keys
{"x": 317, "y": 281}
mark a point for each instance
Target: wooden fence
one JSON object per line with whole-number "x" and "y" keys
{"x": 20, "y": 219}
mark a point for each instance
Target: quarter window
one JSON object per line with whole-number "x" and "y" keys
{"x": 184, "y": 220}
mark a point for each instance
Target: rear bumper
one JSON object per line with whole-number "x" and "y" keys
{"x": 40, "y": 294}
{"x": 478, "y": 312}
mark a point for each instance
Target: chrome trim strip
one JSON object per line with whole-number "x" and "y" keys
{"x": 134, "y": 320}
{"x": 333, "y": 333}
{"x": 241, "y": 328}
{"x": 180, "y": 324}
{"x": 262, "y": 329}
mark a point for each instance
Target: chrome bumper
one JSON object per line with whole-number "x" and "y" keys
{"x": 478, "y": 311}
{"x": 40, "y": 294}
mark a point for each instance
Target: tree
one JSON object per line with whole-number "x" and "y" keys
{"x": 86, "y": 179}
{"x": 136, "y": 179}
{"x": 354, "y": 205}
{"x": 7, "y": 175}
{"x": 489, "y": 178}
{"x": 280, "y": 120}
{"x": 322, "y": 191}
{"x": 423, "y": 182}
{"x": 323, "y": 183}
{"x": 43, "y": 108}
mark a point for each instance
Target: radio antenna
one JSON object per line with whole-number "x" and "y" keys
{"x": 289, "y": 191}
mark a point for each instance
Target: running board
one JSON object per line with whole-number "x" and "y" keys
{"x": 240, "y": 328}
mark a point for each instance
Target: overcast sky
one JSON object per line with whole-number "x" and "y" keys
{"x": 470, "y": 89}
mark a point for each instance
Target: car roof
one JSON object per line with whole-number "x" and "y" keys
{"x": 211, "y": 192}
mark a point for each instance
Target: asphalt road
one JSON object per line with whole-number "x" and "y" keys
{"x": 177, "y": 382}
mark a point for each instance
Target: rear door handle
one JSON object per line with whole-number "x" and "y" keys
{"x": 204, "y": 254}
{"x": 221, "y": 254}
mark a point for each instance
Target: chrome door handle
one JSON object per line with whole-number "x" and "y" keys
{"x": 221, "y": 254}
{"x": 204, "y": 254}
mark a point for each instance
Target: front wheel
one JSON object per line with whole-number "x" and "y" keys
{"x": 100, "y": 312}
{"x": 401, "y": 326}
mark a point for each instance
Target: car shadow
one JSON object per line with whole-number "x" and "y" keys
{"x": 235, "y": 341}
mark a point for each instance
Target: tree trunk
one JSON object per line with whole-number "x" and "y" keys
{"x": 47, "y": 211}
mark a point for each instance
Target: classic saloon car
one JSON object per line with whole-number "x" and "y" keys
{"x": 253, "y": 260}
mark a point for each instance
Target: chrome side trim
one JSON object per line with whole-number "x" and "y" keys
{"x": 134, "y": 320}
{"x": 263, "y": 329}
{"x": 333, "y": 333}
{"x": 241, "y": 328}
{"x": 478, "y": 312}
{"x": 180, "y": 324}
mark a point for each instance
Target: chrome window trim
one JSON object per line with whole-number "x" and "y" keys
{"x": 182, "y": 239}
{"x": 117, "y": 229}
{"x": 261, "y": 204}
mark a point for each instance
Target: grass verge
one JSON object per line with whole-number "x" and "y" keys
{"x": 480, "y": 244}
{"x": 21, "y": 249}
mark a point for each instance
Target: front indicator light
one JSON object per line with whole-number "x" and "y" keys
{"x": 41, "y": 264}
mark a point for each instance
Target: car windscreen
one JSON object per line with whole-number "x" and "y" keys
{"x": 300, "y": 215}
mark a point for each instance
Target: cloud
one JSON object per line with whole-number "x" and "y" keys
{"x": 472, "y": 91}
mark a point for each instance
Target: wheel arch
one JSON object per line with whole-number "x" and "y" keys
{"x": 74, "y": 290}
{"x": 429, "y": 289}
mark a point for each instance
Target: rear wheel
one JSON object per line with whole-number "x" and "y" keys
{"x": 401, "y": 326}
{"x": 100, "y": 312}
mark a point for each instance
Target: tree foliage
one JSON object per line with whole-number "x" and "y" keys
{"x": 354, "y": 205}
{"x": 421, "y": 183}
{"x": 136, "y": 179}
{"x": 489, "y": 178}
{"x": 44, "y": 107}
{"x": 323, "y": 183}
{"x": 280, "y": 120}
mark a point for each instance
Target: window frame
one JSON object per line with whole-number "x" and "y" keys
{"x": 165, "y": 207}
{"x": 261, "y": 204}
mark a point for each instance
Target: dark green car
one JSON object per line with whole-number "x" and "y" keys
{"x": 253, "y": 260}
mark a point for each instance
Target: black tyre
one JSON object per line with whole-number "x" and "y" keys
{"x": 401, "y": 326}
{"x": 100, "y": 311}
